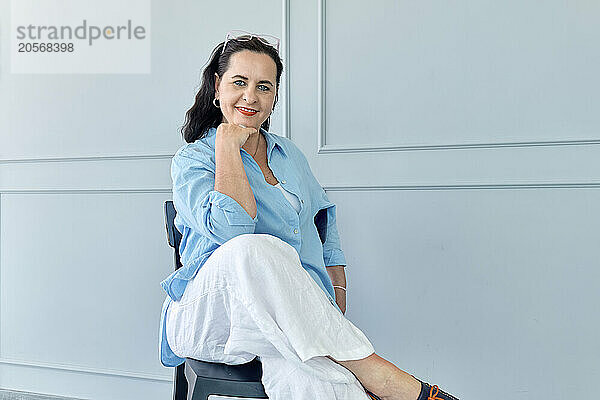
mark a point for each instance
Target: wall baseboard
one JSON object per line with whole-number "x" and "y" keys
{"x": 17, "y": 395}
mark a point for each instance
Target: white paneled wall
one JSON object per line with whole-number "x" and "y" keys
{"x": 79, "y": 290}
{"x": 478, "y": 285}
{"x": 460, "y": 141}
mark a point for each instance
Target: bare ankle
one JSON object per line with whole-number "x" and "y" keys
{"x": 401, "y": 386}
{"x": 383, "y": 378}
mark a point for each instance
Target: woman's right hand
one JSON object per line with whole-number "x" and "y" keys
{"x": 234, "y": 134}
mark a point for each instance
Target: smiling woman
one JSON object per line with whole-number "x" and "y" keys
{"x": 260, "y": 248}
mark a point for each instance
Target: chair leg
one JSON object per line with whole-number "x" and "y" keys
{"x": 181, "y": 385}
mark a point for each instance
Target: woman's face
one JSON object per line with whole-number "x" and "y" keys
{"x": 249, "y": 82}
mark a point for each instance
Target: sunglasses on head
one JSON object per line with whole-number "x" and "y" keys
{"x": 244, "y": 36}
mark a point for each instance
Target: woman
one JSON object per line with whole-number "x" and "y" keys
{"x": 253, "y": 216}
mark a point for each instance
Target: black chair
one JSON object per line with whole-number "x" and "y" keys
{"x": 200, "y": 380}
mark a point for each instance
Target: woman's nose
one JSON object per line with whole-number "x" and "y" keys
{"x": 250, "y": 96}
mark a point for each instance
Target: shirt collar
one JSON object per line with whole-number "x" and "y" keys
{"x": 272, "y": 140}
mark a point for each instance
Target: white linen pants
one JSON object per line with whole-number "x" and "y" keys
{"x": 252, "y": 297}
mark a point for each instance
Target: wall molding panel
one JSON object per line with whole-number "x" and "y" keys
{"x": 324, "y": 148}
{"x": 87, "y": 370}
{"x": 334, "y": 149}
{"x": 90, "y": 158}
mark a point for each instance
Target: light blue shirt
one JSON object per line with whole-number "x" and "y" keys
{"x": 207, "y": 218}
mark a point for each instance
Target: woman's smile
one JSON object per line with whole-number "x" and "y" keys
{"x": 246, "y": 111}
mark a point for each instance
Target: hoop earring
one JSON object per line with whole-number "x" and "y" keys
{"x": 215, "y": 104}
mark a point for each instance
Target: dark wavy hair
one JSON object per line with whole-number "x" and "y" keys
{"x": 203, "y": 115}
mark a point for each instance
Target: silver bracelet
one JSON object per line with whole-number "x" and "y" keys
{"x": 341, "y": 287}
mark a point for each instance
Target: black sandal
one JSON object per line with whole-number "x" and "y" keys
{"x": 434, "y": 392}
{"x": 429, "y": 392}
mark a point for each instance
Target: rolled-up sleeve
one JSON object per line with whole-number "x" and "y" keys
{"x": 332, "y": 249}
{"x": 211, "y": 213}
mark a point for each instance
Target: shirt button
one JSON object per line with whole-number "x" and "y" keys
{"x": 282, "y": 181}
{"x": 295, "y": 230}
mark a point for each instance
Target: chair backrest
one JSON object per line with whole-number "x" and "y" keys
{"x": 173, "y": 235}
{"x": 180, "y": 388}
